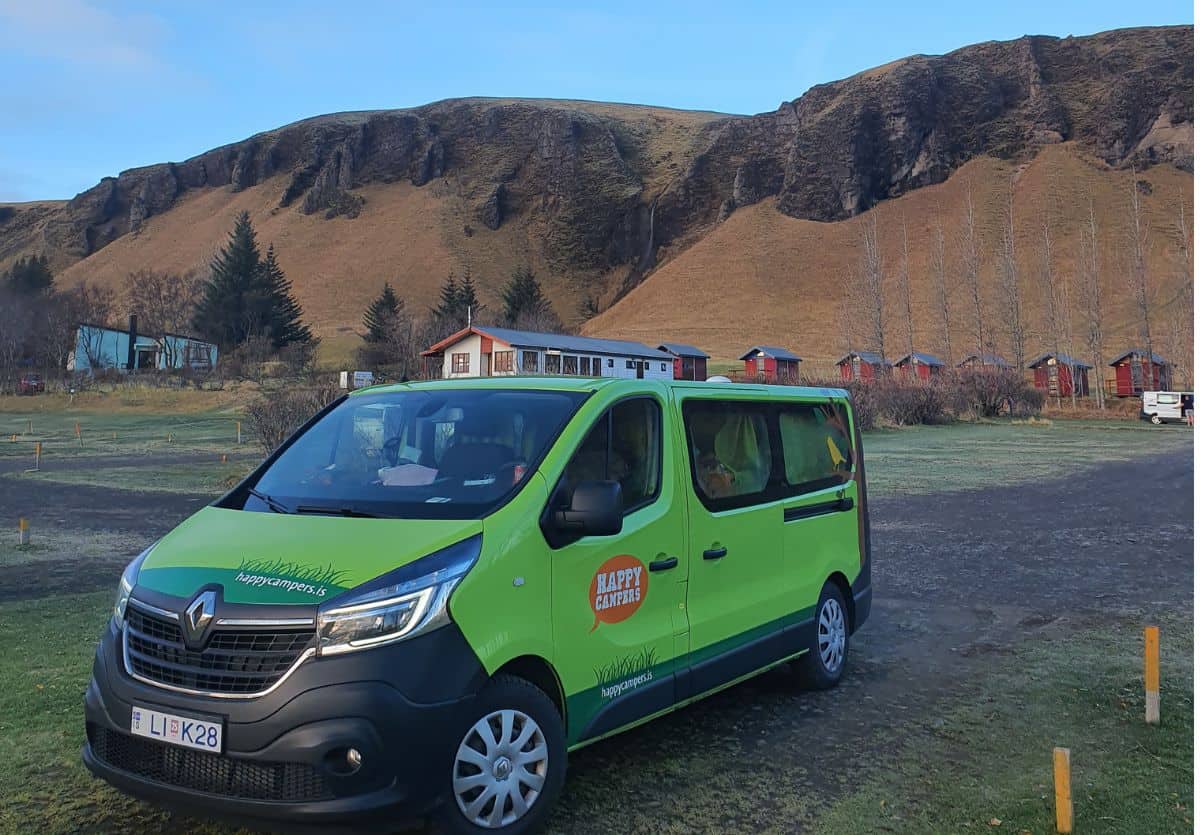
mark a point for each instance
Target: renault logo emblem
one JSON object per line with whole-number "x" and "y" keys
{"x": 198, "y": 615}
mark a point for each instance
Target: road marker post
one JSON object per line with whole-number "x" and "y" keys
{"x": 22, "y": 531}
{"x": 224, "y": 458}
{"x": 37, "y": 457}
{"x": 29, "y": 427}
{"x": 1152, "y": 699}
{"x": 1064, "y": 809}
{"x": 239, "y": 432}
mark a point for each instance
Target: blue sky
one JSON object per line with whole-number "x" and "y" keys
{"x": 94, "y": 88}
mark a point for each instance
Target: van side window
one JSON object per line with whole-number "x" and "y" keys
{"x": 730, "y": 451}
{"x": 1168, "y": 399}
{"x": 817, "y": 451}
{"x": 624, "y": 446}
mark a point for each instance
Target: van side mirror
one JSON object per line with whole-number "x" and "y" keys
{"x": 595, "y": 510}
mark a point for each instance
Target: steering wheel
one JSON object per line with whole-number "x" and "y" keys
{"x": 391, "y": 448}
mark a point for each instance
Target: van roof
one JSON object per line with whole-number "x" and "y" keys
{"x": 591, "y": 384}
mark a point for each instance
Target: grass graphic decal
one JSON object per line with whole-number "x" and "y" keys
{"x": 315, "y": 581}
{"x": 314, "y": 574}
{"x": 625, "y": 673}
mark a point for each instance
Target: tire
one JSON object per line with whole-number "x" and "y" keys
{"x": 823, "y": 665}
{"x": 509, "y": 710}
{"x": 1155, "y": 419}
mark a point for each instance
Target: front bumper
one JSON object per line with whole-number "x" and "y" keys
{"x": 401, "y": 706}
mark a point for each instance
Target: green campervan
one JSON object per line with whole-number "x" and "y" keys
{"x": 432, "y": 592}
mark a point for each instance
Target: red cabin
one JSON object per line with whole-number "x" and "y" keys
{"x": 1060, "y": 375}
{"x": 690, "y": 362}
{"x": 862, "y": 365}
{"x": 1133, "y": 371}
{"x": 771, "y": 364}
{"x": 922, "y": 366}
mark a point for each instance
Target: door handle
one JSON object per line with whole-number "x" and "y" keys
{"x": 664, "y": 564}
{"x": 715, "y": 553}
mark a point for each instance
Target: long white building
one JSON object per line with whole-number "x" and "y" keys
{"x": 485, "y": 351}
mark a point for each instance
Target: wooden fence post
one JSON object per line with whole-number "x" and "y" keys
{"x": 1064, "y": 809}
{"x": 1152, "y": 700}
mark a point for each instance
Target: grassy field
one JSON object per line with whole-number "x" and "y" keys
{"x": 964, "y": 456}
{"x": 918, "y": 459}
{"x": 986, "y": 764}
{"x": 986, "y": 756}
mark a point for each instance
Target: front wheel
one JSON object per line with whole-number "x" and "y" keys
{"x": 1155, "y": 419}
{"x": 509, "y": 766}
{"x": 822, "y": 666}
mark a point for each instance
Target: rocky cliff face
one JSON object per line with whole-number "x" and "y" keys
{"x": 602, "y": 192}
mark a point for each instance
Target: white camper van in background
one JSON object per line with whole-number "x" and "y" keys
{"x": 1168, "y": 406}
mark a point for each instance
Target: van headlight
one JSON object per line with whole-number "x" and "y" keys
{"x": 401, "y": 604}
{"x": 125, "y": 586}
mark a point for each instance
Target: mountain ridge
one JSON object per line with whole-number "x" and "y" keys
{"x": 596, "y": 196}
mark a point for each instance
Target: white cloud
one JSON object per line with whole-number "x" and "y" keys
{"x": 78, "y": 33}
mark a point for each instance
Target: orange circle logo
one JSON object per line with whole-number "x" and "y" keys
{"x": 618, "y": 589}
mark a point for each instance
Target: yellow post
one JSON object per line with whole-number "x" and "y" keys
{"x": 76, "y": 429}
{"x": 22, "y": 531}
{"x": 239, "y": 431}
{"x": 37, "y": 455}
{"x": 224, "y": 458}
{"x": 1152, "y": 701}
{"x": 1064, "y": 810}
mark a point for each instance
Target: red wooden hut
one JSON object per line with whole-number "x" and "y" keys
{"x": 1134, "y": 371}
{"x": 923, "y": 366}
{"x": 863, "y": 365}
{"x": 1059, "y": 375}
{"x": 772, "y": 364}
{"x": 690, "y": 362}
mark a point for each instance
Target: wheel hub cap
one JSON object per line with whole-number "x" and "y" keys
{"x": 500, "y": 768}
{"x": 831, "y": 636}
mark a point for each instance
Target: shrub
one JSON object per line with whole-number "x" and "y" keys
{"x": 989, "y": 393}
{"x": 908, "y": 402}
{"x": 862, "y": 398}
{"x": 275, "y": 416}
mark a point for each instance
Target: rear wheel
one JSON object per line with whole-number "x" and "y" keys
{"x": 822, "y": 666}
{"x": 509, "y": 766}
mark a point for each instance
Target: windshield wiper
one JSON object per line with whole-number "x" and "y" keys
{"x": 276, "y": 507}
{"x": 337, "y": 511}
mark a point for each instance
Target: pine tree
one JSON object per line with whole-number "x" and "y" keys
{"x": 380, "y": 318}
{"x": 447, "y": 306}
{"x": 525, "y": 305}
{"x": 229, "y": 309}
{"x": 247, "y": 296}
{"x": 281, "y": 310}
{"x": 30, "y": 276}
{"x": 469, "y": 305}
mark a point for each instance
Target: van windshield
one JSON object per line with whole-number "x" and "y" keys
{"x": 437, "y": 454}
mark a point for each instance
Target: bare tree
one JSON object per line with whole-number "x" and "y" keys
{"x": 87, "y": 304}
{"x": 164, "y": 304}
{"x": 846, "y": 312}
{"x": 1137, "y": 243}
{"x": 968, "y": 250}
{"x": 872, "y": 285}
{"x": 941, "y": 294}
{"x": 1090, "y": 302}
{"x": 1181, "y": 327}
{"x": 904, "y": 288}
{"x": 1051, "y": 301}
{"x": 1010, "y": 285}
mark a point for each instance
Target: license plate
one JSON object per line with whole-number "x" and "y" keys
{"x": 186, "y": 731}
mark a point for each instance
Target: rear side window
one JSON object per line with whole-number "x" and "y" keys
{"x": 730, "y": 450}
{"x": 1168, "y": 399}
{"x": 817, "y": 452}
{"x": 625, "y": 445}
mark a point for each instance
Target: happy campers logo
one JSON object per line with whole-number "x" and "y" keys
{"x": 618, "y": 589}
